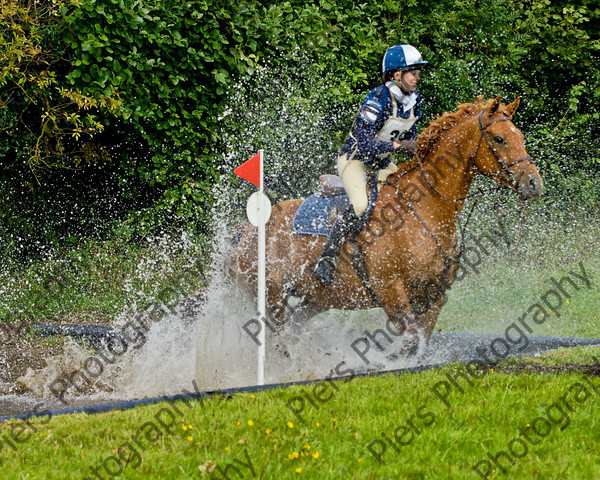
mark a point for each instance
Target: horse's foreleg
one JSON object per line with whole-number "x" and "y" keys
{"x": 396, "y": 305}
{"x": 428, "y": 320}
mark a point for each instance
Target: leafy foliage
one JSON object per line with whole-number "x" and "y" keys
{"x": 140, "y": 90}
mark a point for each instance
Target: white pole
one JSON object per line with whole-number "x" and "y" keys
{"x": 261, "y": 278}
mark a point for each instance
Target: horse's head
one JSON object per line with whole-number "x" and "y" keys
{"x": 501, "y": 153}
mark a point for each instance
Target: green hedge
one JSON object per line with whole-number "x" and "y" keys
{"x": 141, "y": 91}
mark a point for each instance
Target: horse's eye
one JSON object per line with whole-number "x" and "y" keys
{"x": 499, "y": 140}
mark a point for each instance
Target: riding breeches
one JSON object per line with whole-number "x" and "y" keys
{"x": 354, "y": 176}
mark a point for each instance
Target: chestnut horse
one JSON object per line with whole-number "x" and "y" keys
{"x": 409, "y": 244}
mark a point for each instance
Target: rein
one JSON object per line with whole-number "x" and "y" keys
{"x": 505, "y": 168}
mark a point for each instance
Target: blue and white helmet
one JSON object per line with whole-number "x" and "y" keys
{"x": 402, "y": 57}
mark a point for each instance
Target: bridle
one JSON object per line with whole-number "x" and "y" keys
{"x": 512, "y": 182}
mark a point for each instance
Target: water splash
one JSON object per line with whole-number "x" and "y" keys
{"x": 297, "y": 127}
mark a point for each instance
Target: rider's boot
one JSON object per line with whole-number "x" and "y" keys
{"x": 344, "y": 226}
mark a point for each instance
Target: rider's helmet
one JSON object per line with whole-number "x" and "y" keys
{"x": 402, "y": 57}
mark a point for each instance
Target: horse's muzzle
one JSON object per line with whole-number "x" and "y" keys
{"x": 530, "y": 186}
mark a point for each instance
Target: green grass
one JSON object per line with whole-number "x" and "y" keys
{"x": 485, "y": 418}
{"x": 512, "y": 279}
{"x": 332, "y": 442}
{"x": 98, "y": 280}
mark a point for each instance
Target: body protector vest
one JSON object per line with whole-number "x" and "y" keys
{"x": 380, "y": 122}
{"x": 396, "y": 126}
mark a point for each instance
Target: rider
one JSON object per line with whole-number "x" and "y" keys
{"x": 386, "y": 123}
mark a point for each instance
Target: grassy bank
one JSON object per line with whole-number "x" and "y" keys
{"x": 502, "y": 282}
{"x": 443, "y": 436}
{"x": 95, "y": 281}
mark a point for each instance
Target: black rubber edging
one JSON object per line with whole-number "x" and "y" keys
{"x": 93, "y": 334}
{"x": 557, "y": 342}
{"x": 129, "y": 404}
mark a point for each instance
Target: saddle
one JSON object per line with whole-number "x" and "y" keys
{"x": 330, "y": 186}
{"x": 318, "y": 212}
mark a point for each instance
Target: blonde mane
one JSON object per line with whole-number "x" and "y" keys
{"x": 430, "y": 137}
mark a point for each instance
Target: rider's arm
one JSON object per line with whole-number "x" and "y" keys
{"x": 369, "y": 123}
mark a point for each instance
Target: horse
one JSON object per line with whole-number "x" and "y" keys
{"x": 408, "y": 248}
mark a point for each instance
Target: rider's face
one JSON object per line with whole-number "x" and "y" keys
{"x": 408, "y": 80}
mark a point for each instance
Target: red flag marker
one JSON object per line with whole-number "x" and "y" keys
{"x": 251, "y": 170}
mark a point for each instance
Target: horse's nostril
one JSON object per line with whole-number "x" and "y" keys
{"x": 532, "y": 185}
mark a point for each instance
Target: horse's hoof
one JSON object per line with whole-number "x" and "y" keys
{"x": 412, "y": 349}
{"x": 412, "y": 343}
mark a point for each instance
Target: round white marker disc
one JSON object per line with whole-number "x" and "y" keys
{"x": 252, "y": 207}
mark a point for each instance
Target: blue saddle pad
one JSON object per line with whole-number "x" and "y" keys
{"x": 312, "y": 216}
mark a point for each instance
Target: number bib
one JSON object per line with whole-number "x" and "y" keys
{"x": 394, "y": 127}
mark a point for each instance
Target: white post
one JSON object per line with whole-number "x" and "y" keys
{"x": 261, "y": 278}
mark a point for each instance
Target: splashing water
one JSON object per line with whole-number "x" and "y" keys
{"x": 209, "y": 346}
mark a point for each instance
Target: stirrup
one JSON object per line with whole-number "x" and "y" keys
{"x": 325, "y": 269}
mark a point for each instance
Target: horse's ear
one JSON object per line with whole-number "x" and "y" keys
{"x": 512, "y": 108}
{"x": 493, "y": 105}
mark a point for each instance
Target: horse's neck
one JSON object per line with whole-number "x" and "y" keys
{"x": 443, "y": 178}
{"x": 449, "y": 167}
{"x": 435, "y": 187}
